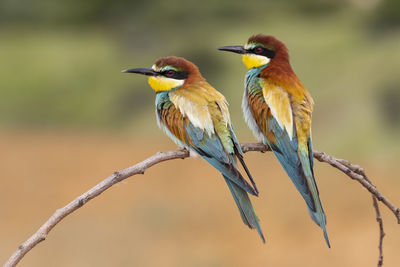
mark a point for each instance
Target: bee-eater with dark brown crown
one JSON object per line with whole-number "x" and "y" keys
{"x": 196, "y": 117}
{"x": 278, "y": 110}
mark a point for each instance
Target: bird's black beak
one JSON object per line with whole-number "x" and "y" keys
{"x": 144, "y": 71}
{"x": 235, "y": 49}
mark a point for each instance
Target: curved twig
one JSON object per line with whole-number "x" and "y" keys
{"x": 357, "y": 173}
{"x": 353, "y": 171}
{"x": 381, "y": 232}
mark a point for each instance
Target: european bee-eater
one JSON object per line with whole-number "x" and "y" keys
{"x": 196, "y": 117}
{"x": 278, "y": 110}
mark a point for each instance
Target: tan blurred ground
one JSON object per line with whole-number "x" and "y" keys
{"x": 180, "y": 212}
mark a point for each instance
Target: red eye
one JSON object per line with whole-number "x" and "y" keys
{"x": 170, "y": 73}
{"x": 258, "y": 50}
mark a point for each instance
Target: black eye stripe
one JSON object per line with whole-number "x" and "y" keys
{"x": 264, "y": 51}
{"x": 179, "y": 75}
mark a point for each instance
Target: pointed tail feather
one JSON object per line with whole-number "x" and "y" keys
{"x": 240, "y": 157}
{"x": 326, "y": 237}
{"x": 318, "y": 215}
{"x": 320, "y": 219}
{"x": 298, "y": 166}
{"x": 230, "y": 171}
{"x": 245, "y": 207}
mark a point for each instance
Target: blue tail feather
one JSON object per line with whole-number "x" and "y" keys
{"x": 326, "y": 237}
{"x": 245, "y": 207}
{"x": 296, "y": 159}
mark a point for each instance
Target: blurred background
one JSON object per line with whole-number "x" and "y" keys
{"x": 69, "y": 118}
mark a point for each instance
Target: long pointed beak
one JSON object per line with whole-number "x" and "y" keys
{"x": 235, "y": 49}
{"x": 144, "y": 71}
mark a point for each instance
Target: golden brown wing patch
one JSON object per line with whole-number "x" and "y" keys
{"x": 260, "y": 111}
{"x": 175, "y": 122}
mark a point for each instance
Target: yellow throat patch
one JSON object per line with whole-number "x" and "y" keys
{"x": 161, "y": 83}
{"x": 254, "y": 61}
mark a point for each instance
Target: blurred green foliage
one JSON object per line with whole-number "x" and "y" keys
{"x": 61, "y": 61}
{"x": 389, "y": 101}
{"x": 387, "y": 16}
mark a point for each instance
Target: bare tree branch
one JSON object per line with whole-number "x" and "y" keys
{"x": 357, "y": 173}
{"x": 353, "y": 171}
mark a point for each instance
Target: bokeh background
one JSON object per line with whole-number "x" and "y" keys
{"x": 69, "y": 118}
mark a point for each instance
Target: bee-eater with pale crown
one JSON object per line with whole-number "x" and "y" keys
{"x": 278, "y": 110}
{"x": 196, "y": 117}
